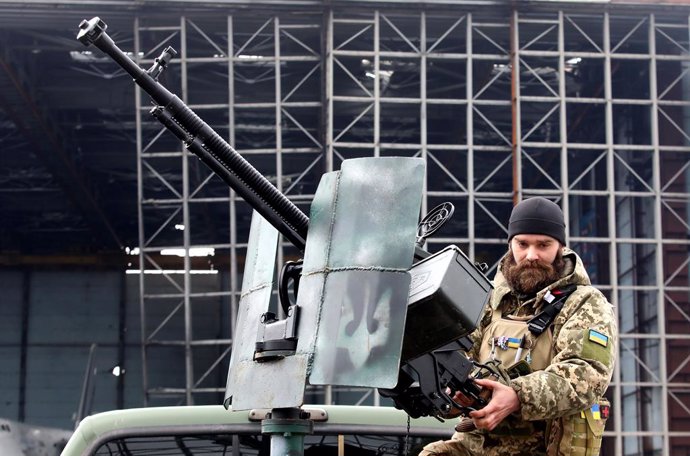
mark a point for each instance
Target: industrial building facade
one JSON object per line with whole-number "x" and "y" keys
{"x": 588, "y": 109}
{"x": 585, "y": 103}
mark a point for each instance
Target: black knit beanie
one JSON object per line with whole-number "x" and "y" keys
{"x": 537, "y": 216}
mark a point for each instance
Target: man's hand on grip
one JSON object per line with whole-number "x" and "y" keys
{"x": 504, "y": 401}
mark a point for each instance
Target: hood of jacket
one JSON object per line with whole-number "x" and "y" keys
{"x": 574, "y": 273}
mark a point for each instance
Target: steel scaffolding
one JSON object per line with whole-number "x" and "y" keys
{"x": 590, "y": 109}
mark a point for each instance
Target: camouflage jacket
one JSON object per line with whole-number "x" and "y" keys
{"x": 581, "y": 369}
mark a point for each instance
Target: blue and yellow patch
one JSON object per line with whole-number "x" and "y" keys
{"x": 514, "y": 342}
{"x": 596, "y": 412}
{"x": 597, "y": 346}
{"x": 598, "y": 338}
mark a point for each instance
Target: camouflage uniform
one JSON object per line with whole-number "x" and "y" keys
{"x": 578, "y": 375}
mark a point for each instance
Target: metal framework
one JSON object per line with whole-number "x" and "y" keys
{"x": 590, "y": 110}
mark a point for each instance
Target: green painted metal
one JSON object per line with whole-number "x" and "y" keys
{"x": 97, "y": 429}
{"x": 367, "y": 230}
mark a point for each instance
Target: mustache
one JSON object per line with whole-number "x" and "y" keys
{"x": 534, "y": 264}
{"x": 529, "y": 276}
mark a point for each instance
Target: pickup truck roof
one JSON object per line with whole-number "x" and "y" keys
{"x": 215, "y": 430}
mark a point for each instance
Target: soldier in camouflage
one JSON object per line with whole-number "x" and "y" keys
{"x": 555, "y": 407}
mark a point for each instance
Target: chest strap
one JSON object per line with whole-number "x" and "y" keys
{"x": 556, "y": 298}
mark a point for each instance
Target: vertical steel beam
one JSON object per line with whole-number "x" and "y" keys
{"x": 377, "y": 85}
{"x": 658, "y": 257}
{"x": 234, "y": 281}
{"x": 469, "y": 109}
{"x": 686, "y": 125}
{"x": 610, "y": 190}
{"x": 515, "y": 105}
{"x": 231, "y": 84}
{"x": 189, "y": 363}
{"x": 685, "y": 65}
{"x": 424, "y": 149}
{"x": 140, "y": 216}
{"x": 277, "y": 98}
{"x": 279, "y": 129}
{"x": 563, "y": 131}
{"x": 121, "y": 340}
{"x": 329, "y": 91}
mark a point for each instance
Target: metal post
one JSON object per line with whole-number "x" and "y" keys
{"x": 423, "y": 102}
{"x": 189, "y": 365}
{"x": 287, "y": 429}
{"x": 122, "y": 341}
{"x": 279, "y": 129}
{"x": 329, "y": 92}
{"x": 377, "y": 86}
{"x": 234, "y": 282}
{"x": 515, "y": 102}
{"x": 140, "y": 216}
{"x": 565, "y": 203}
{"x": 658, "y": 259}
{"x": 469, "y": 95}
{"x": 610, "y": 189}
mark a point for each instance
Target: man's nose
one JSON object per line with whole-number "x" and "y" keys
{"x": 532, "y": 254}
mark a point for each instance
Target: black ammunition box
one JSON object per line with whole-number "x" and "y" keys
{"x": 446, "y": 299}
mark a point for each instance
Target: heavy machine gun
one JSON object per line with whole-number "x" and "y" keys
{"x": 199, "y": 138}
{"x": 447, "y": 292}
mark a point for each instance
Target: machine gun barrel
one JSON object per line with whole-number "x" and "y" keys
{"x": 202, "y": 140}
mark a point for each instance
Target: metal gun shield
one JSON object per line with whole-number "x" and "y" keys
{"x": 251, "y": 384}
{"x": 360, "y": 260}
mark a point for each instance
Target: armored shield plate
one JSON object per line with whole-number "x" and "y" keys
{"x": 251, "y": 384}
{"x": 359, "y": 249}
{"x": 353, "y": 293}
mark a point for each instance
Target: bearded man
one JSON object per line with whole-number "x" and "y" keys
{"x": 553, "y": 336}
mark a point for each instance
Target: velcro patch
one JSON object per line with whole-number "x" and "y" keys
{"x": 604, "y": 411}
{"x": 596, "y": 346}
{"x": 596, "y": 413}
{"x": 598, "y": 338}
{"x": 514, "y": 342}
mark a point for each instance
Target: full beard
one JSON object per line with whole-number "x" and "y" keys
{"x": 530, "y": 276}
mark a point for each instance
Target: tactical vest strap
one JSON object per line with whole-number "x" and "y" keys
{"x": 556, "y": 298}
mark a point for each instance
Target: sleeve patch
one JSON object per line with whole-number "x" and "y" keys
{"x": 598, "y": 338}
{"x": 597, "y": 346}
{"x": 596, "y": 412}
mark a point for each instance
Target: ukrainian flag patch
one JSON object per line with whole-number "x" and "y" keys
{"x": 596, "y": 413}
{"x": 514, "y": 342}
{"x": 598, "y": 338}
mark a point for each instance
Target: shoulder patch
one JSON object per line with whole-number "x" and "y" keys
{"x": 598, "y": 338}
{"x": 597, "y": 346}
